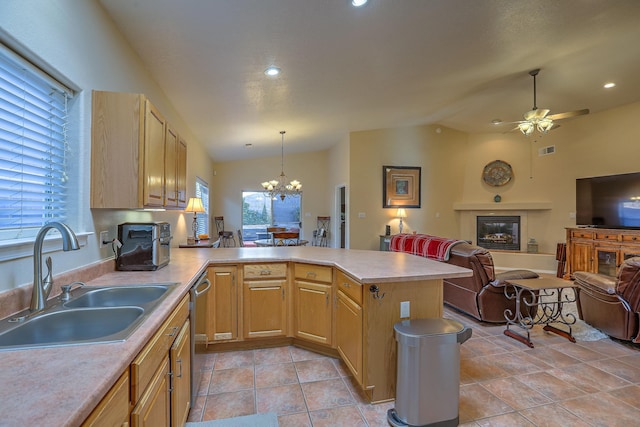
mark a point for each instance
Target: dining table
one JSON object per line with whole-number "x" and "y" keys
{"x": 269, "y": 242}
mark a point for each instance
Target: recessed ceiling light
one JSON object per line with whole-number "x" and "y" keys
{"x": 248, "y": 145}
{"x": 358, "y": 3}
{"x": 496, "y": 121}
{"x": 272, "y": 71}
{"x": 609, "y": 85}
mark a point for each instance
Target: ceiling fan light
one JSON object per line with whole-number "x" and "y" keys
{"x": 545, "y": 125}
{"x": 526, "y": 128}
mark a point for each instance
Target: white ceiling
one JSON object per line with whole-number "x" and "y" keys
{"x": 457, "y": 63}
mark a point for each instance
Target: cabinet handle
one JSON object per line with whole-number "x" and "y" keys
{"x": 311, "y": 274}
{"x": 346, "y": 284}
{"x": 173, "y": 331}
{"x": 282, "y": 294}
{"x": 327, "y": 300}
{"x": 180, "y": 373}
{"x": 265, "y": 272}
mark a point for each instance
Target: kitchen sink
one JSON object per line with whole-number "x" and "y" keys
{"x": 72, "y": 326}
{"x": 119, "y": 296}
{"x": 93, "y": 315}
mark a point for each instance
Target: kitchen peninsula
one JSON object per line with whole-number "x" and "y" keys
{"x": 62, "y": 385}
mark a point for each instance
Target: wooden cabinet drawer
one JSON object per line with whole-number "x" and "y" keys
{"x": 264, "y": 271}
{"x": 581, "y": 234}
{"x": 607, "y": 236}
{"x": 631, "y": 238}
{"x": 318, "y": 273}
{"x": 113, "y": 410}
{"x": 350, "y": 287}
{"x": 146, "y": 363}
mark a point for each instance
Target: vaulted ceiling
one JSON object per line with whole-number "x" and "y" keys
{"x": 391, "y": 63}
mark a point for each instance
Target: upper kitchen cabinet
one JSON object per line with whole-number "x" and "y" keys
{"x": 138, "y": 160}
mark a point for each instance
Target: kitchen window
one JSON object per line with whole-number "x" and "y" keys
{"x": 33, "y": 148}
{"x": 202, "y": 219}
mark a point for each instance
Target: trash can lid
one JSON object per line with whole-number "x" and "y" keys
{"x": 422, "y": 327}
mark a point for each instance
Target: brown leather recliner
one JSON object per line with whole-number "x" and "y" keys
{"x": 611, "y": 304}
{"x": 481, "y": 295}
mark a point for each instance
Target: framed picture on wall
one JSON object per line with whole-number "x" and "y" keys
{"x": 401, "y": 186}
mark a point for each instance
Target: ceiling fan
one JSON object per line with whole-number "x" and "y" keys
{"x": 539, "y": 118}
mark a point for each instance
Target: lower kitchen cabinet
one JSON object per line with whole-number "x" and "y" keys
{"x": 222, "y": 298}
{"x": 313, "y": 303}
{"x": 349, "y": 334}
{"x": 265, "y": 300}
{"x": 181, "y": 377}
{"x": 154, "y": 408}
{"x": 113, "y": 410}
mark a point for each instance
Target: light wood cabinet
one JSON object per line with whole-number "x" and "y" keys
{"x": 153, "y": 409}
{"x": 181, "y": 377}
{"x": 313, "y": 303}
{"x": 222, "y": 301}
{"x": 134, "y": 150}
{"x": 113, "y": 410}
{"x": 349, "y": 324}
{"x": 265, "y": 300}
{"x": 600, "y": 250}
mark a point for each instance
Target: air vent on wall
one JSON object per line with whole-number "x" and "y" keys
{"x": 544, "y": 151}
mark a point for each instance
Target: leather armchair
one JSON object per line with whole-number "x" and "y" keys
{"x": 481, "y": 295}
{"x": 611, "y": 304}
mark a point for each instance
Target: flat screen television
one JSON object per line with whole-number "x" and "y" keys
{"x": 608, "y": 201}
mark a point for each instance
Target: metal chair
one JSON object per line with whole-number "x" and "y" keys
{"x": 320, "y": 233}
{"x": 240, "y": 241}
{"x": 226, "y": 237}
{"x": 286, "y": 238}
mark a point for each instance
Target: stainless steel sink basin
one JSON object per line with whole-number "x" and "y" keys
{"x": 119, "y": 296}
{"x": 72, "y": 326}
{"x": 93, "y": 315}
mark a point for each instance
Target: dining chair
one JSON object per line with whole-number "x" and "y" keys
{"x": 240, "y": 241}
{"x": 275, "y": 229}
{"x": 286, "y": 238}
{"x": 226, "y": 237}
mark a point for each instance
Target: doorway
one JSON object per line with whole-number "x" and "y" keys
{"x": 341, "y": 214}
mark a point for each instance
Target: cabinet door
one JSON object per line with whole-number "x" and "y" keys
{"x": 265, "y": 308}
{"x": 170, "y": 168}
{"x": 181, "y": 173}
{"x": 154, "y": 136}
{"x": 113, "y": 410}
{"x": 581, "y": 256}
{"x": 181, "y": 376}
{"x": 223, "y": 299}
{"x": 153, "y": 409}
{"x": 349, "y": 334}
{"x": 607, "y": 260}
{"x": 313, "y": 311}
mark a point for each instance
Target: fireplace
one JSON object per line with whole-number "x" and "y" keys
{"x": 498, "y": 232}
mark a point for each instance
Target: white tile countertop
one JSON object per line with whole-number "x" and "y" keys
{"x": 60, "y": 386}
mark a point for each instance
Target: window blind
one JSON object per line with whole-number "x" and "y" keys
{"x": 202, "y": 219}
{"x": 33, "y": 148}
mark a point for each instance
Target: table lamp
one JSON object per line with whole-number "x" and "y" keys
{"x": 401, "y": 214}
{"x": 195, "y": 205}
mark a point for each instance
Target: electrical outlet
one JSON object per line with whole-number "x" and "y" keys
{"x": 104, "y": 237}
{"x": 405, "y": 310}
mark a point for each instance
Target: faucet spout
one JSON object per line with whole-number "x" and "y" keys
{"x": 42, "y": 290}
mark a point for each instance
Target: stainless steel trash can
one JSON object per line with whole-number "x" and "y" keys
{"x": 428, "y": 376}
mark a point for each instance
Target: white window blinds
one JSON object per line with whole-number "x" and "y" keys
{"x": 33, "y": 148}
{"x": 202, "y": 219}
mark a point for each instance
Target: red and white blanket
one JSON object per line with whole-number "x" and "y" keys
{"x": 431, "y": 247}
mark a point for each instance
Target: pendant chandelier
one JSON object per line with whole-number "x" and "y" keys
{"x": 279, "y": 187}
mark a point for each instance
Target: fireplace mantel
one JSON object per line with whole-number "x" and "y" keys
{"x": 508, "y": 206}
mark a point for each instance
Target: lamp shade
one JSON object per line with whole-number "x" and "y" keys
{"x": 401, "y": 213}
{"x": 195, "y": 205}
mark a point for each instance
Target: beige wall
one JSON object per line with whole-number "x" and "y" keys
{"x": 232, "y": 178}
{"x": 439, "y": 151}
{"x": 77, "y": 42}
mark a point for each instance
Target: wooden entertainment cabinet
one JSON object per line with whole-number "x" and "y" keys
{"x": 600, "y": 250}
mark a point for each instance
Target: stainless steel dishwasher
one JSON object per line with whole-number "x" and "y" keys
{"x": 198, "y": 290}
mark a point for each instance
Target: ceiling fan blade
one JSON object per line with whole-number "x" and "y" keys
{"x": 569, "y": 114}
{"x": 537, "y": 114}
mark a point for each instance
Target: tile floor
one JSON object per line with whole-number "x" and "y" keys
{"x": 502, "y": 383}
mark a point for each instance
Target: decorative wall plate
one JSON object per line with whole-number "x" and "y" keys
{"x": 497, "y": 173}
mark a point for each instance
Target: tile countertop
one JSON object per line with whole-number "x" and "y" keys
{"x": 59, "y": 386}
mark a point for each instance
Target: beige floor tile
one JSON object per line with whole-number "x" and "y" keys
{"x": 579, "y": 352}
{"x": 376, "y": 415}
{"x": 619, "y": 369}
{"x": 512, "y": 419}
{"x": 233, "y": 359}
{"x": 227, "y": 405}
{"x": 552, "y": 387}
{"x": 326, "y": 394}
{"x": 294, "y": 420}
{"x": 270, "y": 356}
{"x": 345, "y": 416}
{"x": 551, "y": 356}
{"x": 629, "y": 395}
{"x": 482, "y": 368}
{"x": 476, "y": 402}
{"x": 603, "y": 410}
{"x": 515, "y": 394}
{"x": 275, "y": 375}
{"x": 285, "y": 399}
{"x": 227, "y": 380}
{"x": 552, "y": 415}
{"x": 588, "y": 378}
{"x": 315, "y": 370}
{"x": 298, "y": 354}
